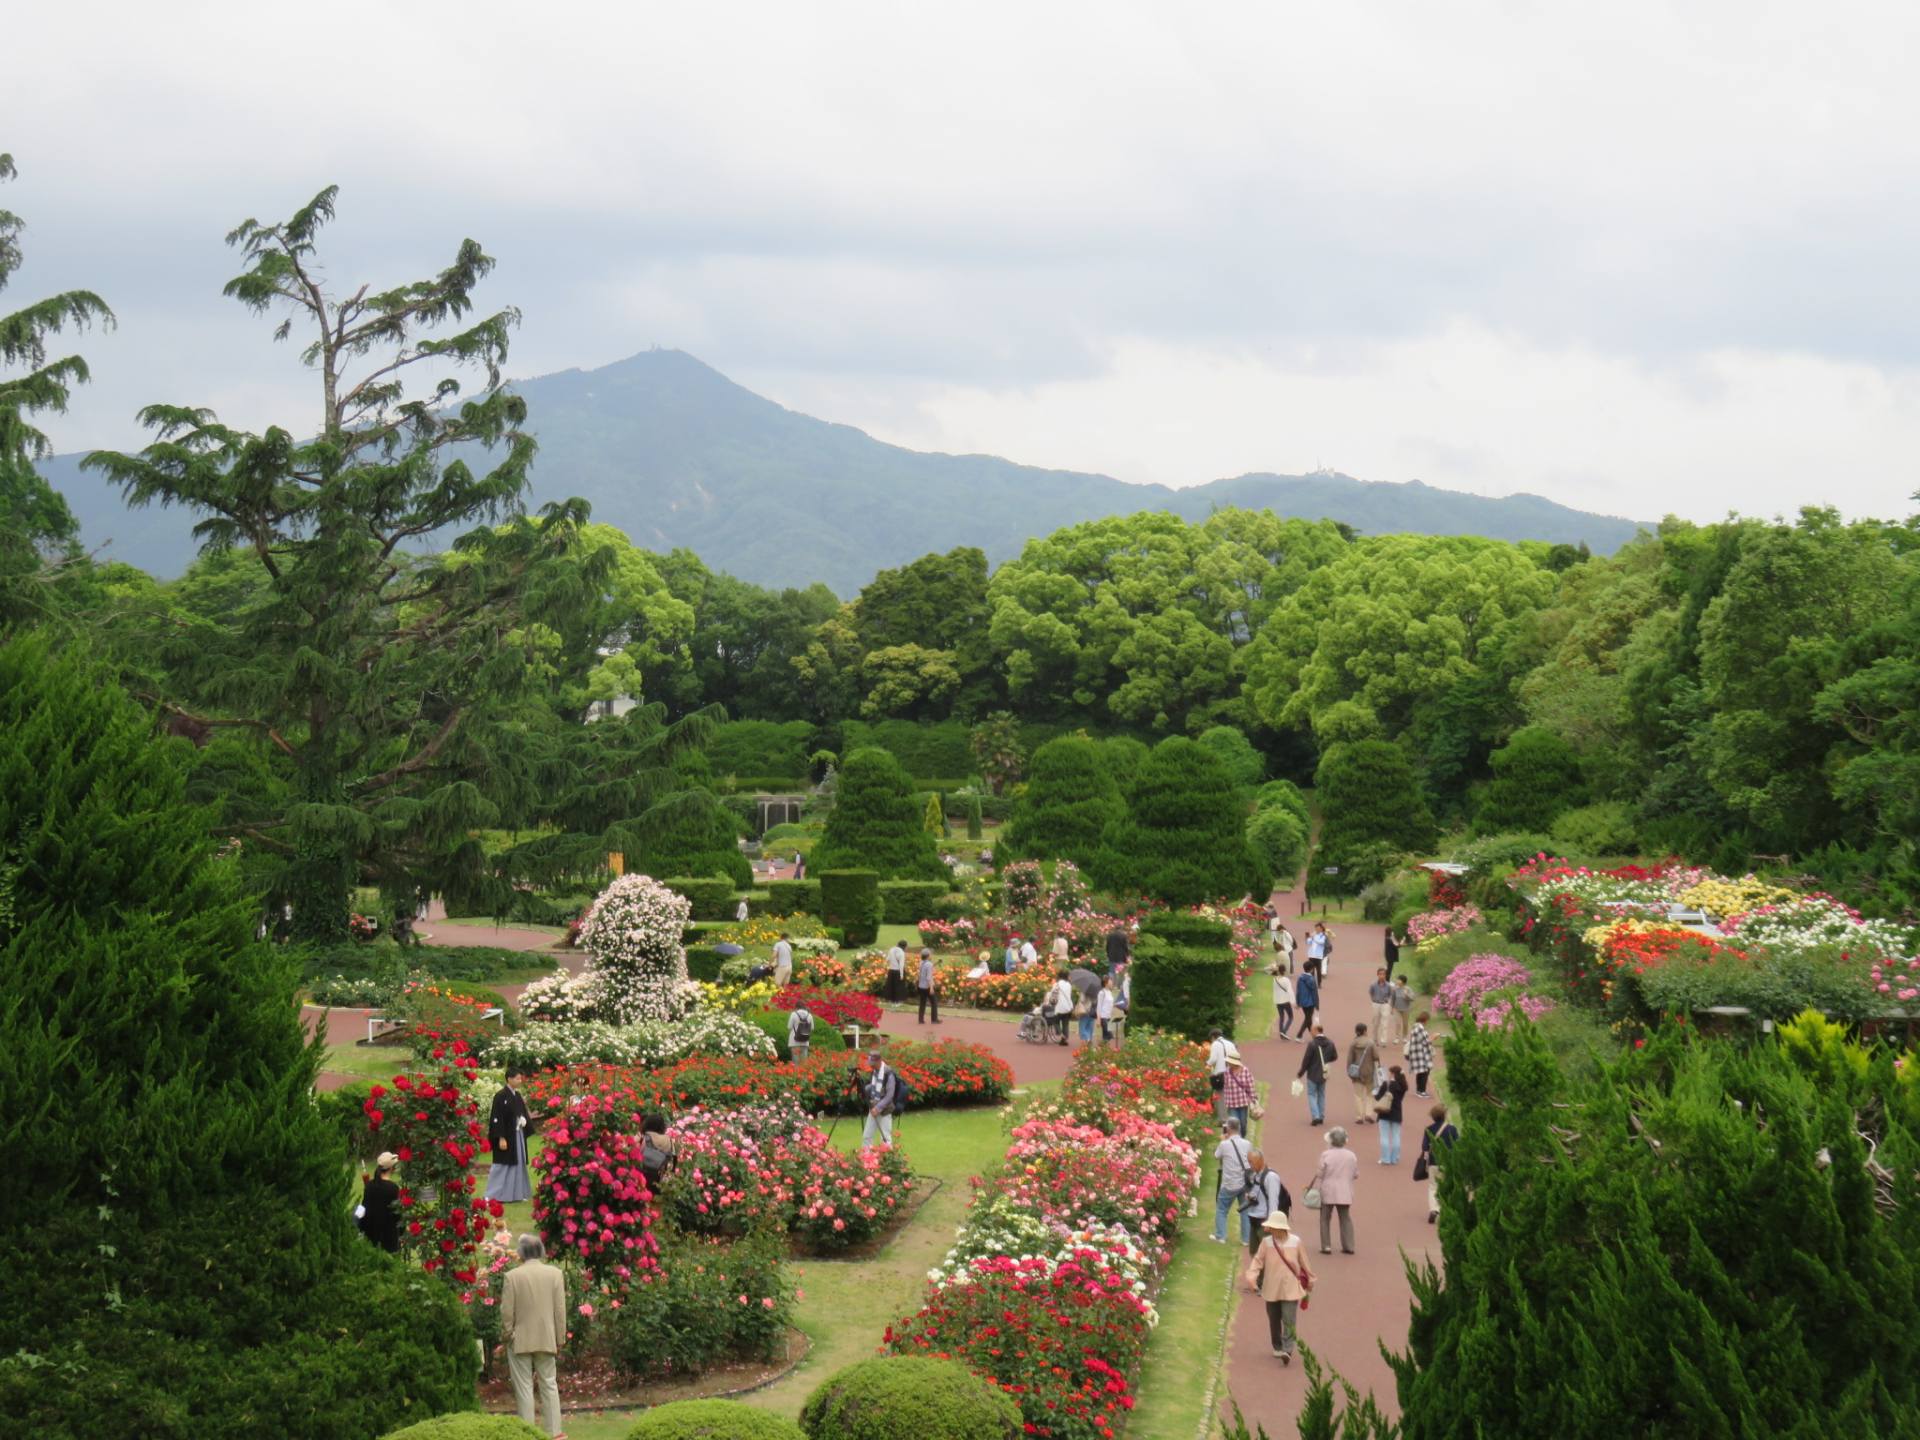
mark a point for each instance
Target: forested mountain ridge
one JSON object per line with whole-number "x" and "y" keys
{"x": 678, "y": 456}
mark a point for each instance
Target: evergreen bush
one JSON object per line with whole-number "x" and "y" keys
{"x": 1536, "y": 775}
{"x": 876, "y": 825}
{"x": 1187, "y": 991}
{"x": 468, "y": 1427}
{"x": 774, "y": 1022}
{"x": 759, "y": 747}
{"x": 926, "y": 751}
{"x": 907, "y": 902}
{"x": 933, "y": 818}
{"x": 698, "y": 838}
{"x": 713, "y": 1420}
{"x": 1069, "y": 801}
{"x": 1198, "y": 932}
{"x": 910, "y": 1396}
{"x": 1368, "y": 794}
{"x": 850, "y": 902}
{"x": 1283, "y": 795}
{"x": 1606, "y": 828}
{"x": 1181, "y": 839}
{"x": 974, "y": 827}
{"x": 711, "y": 898}
{"x": 1279, "y": 839}
{"x": 793, "y": 897}
{"x": 1232, "y": 749}
{"x": 179, "y": 1201}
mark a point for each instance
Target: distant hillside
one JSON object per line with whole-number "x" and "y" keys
{"x": 676, "y": 454}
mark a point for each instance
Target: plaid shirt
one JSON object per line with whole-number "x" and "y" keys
{"x": 1239, "y": 1088}
{"x": 1419, "y": 1049}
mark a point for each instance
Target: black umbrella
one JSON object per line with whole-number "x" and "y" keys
{"x": 1085, "y": 981}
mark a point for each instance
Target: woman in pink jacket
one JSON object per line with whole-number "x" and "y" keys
{"x": 1339, "y": 1168}
{"x": 1280, "y": 1272}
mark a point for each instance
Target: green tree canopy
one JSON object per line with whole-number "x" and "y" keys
{"x": 179, "y": 1200}
{"x": 1368, "y": 794}
{"x": 1536, "y": 775}
{"x": 877, "y": 824}
{"x": 1182, "y": 838}
{"x": 1231, "y": 748}
{"x": 1069, "y": 802}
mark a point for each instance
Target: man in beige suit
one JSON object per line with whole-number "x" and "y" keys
{"x": 533, "y": 1327}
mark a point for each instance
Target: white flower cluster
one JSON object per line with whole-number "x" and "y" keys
{"x": 633, "y": 933}
{"x": 1002, "y": 1229}
{"x": 815, "y": 946}
{"x": 564, "y": 997}
{"x": 652, "y": 1043}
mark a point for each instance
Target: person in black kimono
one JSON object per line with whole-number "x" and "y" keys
{"x": 508, "y": 1127}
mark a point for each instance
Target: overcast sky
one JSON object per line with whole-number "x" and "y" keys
{"x": 1643, "y": 259}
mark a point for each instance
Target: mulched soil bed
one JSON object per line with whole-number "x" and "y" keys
{"x": 592, "y": 1384}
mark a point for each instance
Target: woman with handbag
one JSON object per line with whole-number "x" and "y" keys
{"x": 1280, "y": 1272}
{"x": 1389, "y": 1100}
{"x": 1363, "y": 1065}
{"x": 1438, "y": 1139}
{"x": 1331, "y": 1189}
{"x": 1282, "y": 1001}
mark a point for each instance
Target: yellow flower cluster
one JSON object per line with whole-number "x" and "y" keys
{"x": 1596, "y": 935}
{"x": 1719, "y": 896}
{"x": 739, "y": 999}
{"x": 760, "y": 931}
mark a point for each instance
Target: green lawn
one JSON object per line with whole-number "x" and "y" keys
{"x": 849, "y": 1304}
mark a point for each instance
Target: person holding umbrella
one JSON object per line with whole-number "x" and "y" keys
{"x": 1086, "y": 986}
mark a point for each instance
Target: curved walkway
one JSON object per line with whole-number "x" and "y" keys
{"x": 1359, "y": 1300}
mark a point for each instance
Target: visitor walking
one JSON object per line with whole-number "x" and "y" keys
{"x": 1103, "y": 1010}
{"x": 1235, "y": 1156}
{"x": 1313, "y": 1069}
{"x": 379, "y": 1211}
{"x": 1218, "y": 1049}
{"x": 1420, "y": 1053}
{"x": 1380, "y": 995}
{"x": 1393, "y": 943}
{"x": 1282, "y": 1001}
{"x": 533, "y": 1328}
{"x": 926, "y": 985}
{"x": 896, "y": 971}
{"x": 1086, "y": 996}
{"x": 1402, "y": 1008}
{"x": 1363, "y": 1060}
{"x": 740, "y": 912}
{"x": 1239, "y": 1093}
{"x": 1320, "y": 948}
{"x": 884, "y": 1101}
{"x": 1333, "y": 1185}
{"x": 783, "y": 961}
{"x": 1284, "y": 942}
{"x": 508, "y": 1125}
{"x": 1388, "y": 1104}
{"x": 1434, "y": 1144}
{"x": 1306, "y": 994}
{"x": 1060, "y": 1001}
{"x": 1266, "y": 1195}
{"x": 1279, "y": 1272}
{"x": 799, "y": 1033}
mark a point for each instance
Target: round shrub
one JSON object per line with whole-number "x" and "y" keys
{"x": 712, "y": 1420}
{"x": 468, "y": 1427}
{"x": 774, "y": 1022}
{"x": 909, "y": 1395}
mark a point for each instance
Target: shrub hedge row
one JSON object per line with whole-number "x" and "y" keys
{"x": 1185, "y": 990}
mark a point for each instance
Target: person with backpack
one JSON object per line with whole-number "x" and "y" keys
{"x": 886, "y": 1096}
{"x": 1266, "y": 1195}
{"x": 656, "y": 1150}
{"x": 799, "y": 1033}
{"x": 1363, "y": 1067}
{"x": 1279, "y": 1272}
{"x": 1233, "y": 1152}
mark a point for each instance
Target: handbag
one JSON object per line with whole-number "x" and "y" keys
{"x": 1420, "y": 1169}
{"x": 1258, "y": 1111}
{"x": 1353, "y": 1070}
{"x": 1312, "y": 1198}
{"x": 1383, "y": 1103}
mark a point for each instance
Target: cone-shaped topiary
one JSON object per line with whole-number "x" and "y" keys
{"x": 909, "y": 1395}
{"x": 1368, "y": 794}
{"x": 1182, "y": 839}
{"x": 178, "y": 1199}
{"x": 712, "y": 1420}
{"x": 1069, "y": 802}
{"x": 876, "y": 823}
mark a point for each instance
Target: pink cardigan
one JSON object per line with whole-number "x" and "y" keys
{"x": 1339, "y": 1168}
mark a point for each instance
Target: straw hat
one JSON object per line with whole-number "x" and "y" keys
{"x": 385, "y": 1160}
{"x": 1276, "y": 1221}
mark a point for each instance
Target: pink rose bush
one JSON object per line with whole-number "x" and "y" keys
{"x": 1476, "y": 978}
{"x": 1438, "y": 924}
{"x": 591, "y": 1200}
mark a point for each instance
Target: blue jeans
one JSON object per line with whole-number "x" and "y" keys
{"x": 1316, "y": 1100}
{"x": 1239, "y": 1112}
{"x": 1086, "y": 1028}
{"x": 1223, "y": 1203}
{"x": 1389, "y": 1141}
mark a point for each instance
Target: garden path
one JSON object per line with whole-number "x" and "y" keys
{"x": 1360, "y": 1299}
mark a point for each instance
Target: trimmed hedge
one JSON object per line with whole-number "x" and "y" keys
{"x": 1183, "y": 990}
{"x": 905, "y": 902}
{"x": 459, "y": 964}
{"x": 713, "y": 1420}
{"x": 909, "y": 1395}
{"x": 468, "y": 1427}
{"x": 759, "y": 747}
{"x": 704, "y": 962}
{"x": 793, "y": 897}
{"x": 850, "y": 902}
{"x": 925, "y": 751}
{"x": 712, "y": 898}
{"x": 1176, "y": 927}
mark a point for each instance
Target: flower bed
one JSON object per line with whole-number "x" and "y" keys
{"x": 1047, "y": 1289}
{"x": 1474, "y": 979}
{"x": 1019, "y": 991}
{"x": 706, "y": 1033}
{"x": 945, "y": 1073}
{"x": 830, "y": 1007}
{"x": 1438, "y": 924}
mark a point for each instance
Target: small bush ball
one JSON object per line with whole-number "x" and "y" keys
{"x": 468, "y": 1427}
{"x": 712, "y": 1420}
{"x": 907, "y": 1395}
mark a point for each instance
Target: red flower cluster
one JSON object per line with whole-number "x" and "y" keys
{"x": 1444, "y": 891}
{"x": 833, "y": 1008}
{"x": 428, "y": 1119}
{"x": 592, "y": 1199}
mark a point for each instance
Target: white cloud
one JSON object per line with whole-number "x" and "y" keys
{"x": 1581, "y": 250}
